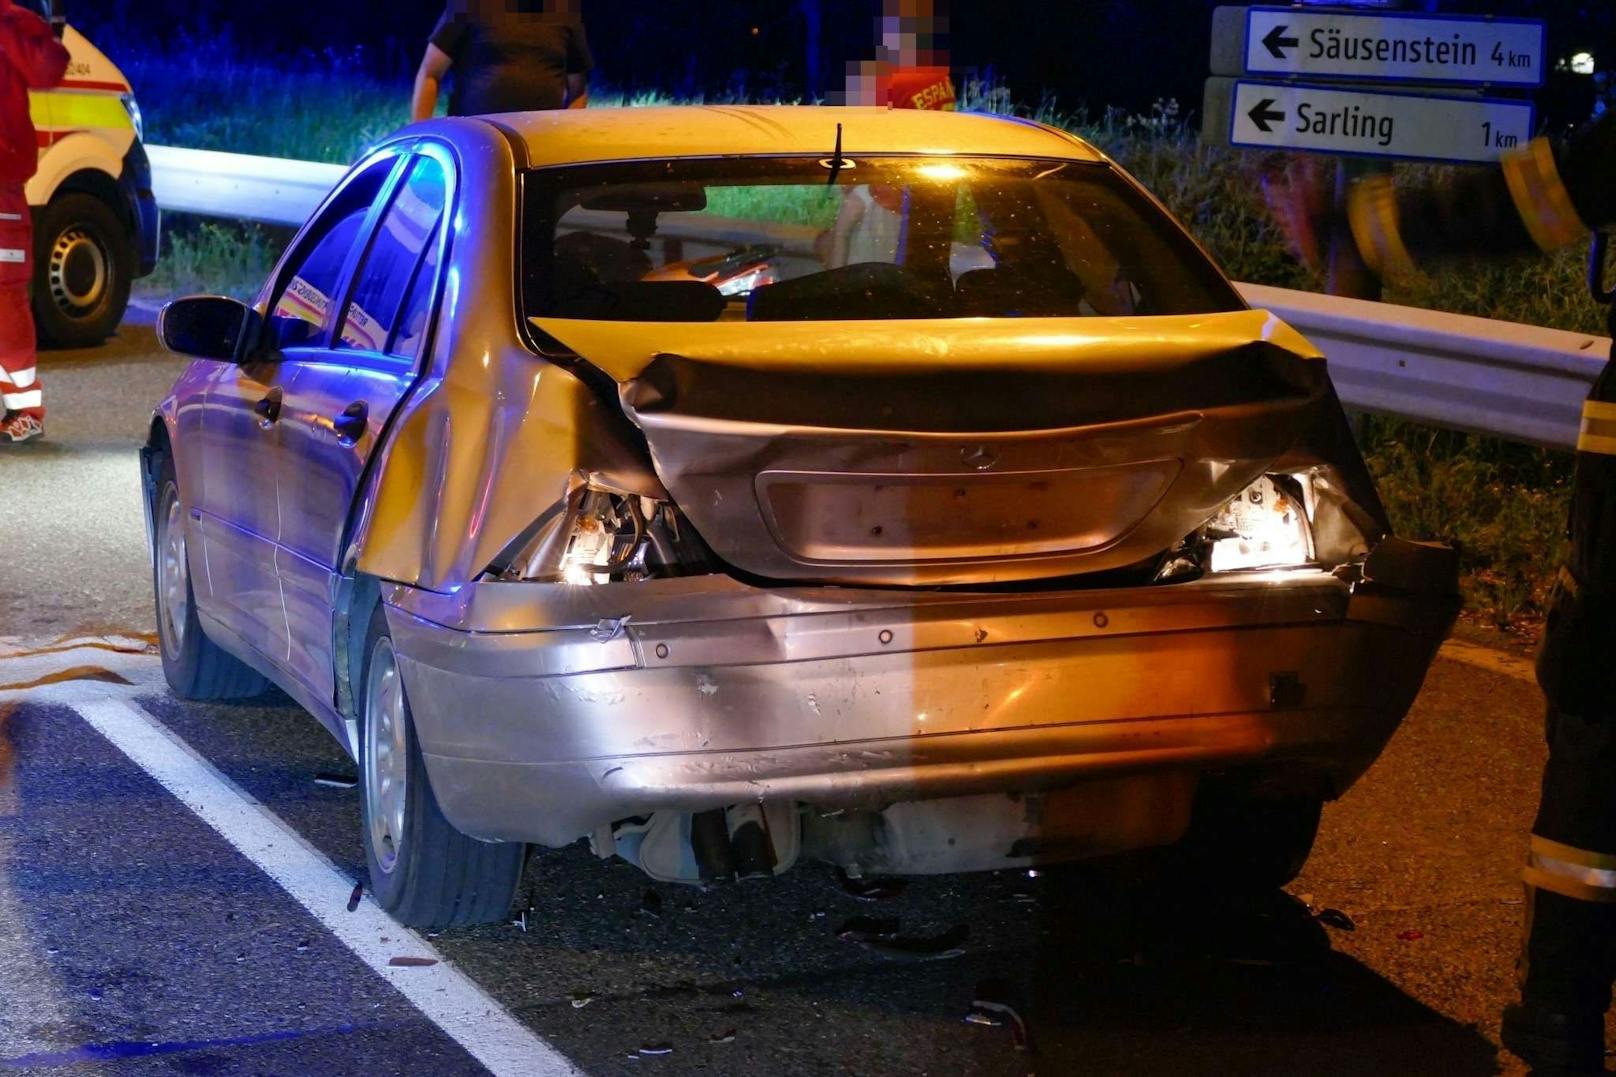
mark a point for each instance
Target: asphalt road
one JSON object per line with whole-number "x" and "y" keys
{"x": 140, "y": 934}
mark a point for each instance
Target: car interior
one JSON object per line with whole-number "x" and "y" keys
{"x": 999, "y": 248}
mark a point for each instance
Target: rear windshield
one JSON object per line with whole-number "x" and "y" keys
{"x": 798, "y": 239}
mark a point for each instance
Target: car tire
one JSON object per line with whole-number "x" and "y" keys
{"x": 84, "y": 266}
{"x": 422, "y": 870}
{"x": 194, "y": 666}
{"x": 1246, "y": 845}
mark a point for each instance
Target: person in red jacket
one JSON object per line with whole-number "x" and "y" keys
{"x": 30, "y": 59}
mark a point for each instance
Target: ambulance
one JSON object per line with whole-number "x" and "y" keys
{"x": 95, "y": 218}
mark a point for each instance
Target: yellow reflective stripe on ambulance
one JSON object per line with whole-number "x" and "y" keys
{"x": 93, "y": 109}
{"x": 1598, "y": 433}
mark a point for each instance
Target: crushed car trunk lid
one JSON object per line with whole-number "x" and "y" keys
{"x": 957, "y": 452}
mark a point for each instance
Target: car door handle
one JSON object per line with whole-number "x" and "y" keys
{"x": 350, "y": 425}
{"x": 268, "y": 409}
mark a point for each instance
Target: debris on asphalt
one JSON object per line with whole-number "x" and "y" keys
{"x": 353, "y": 898}
{"x": 883, "y": 936}
{"x": 991, "y": 1013}
{"x": 726, "y": 1036}
{"x": 336, "y": 781}
{"x": 657, "y": 1049}
{"x": 875, "y": 888}
{"x": 1411, "y": 935}
{"x": 303, "y": 947}
{"x": 651, "y": 904}
{"x": 408, "y": 962}
{"x": 521, "y": 922}
{"x": 1337, "y": 919}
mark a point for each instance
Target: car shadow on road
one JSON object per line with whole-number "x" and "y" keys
{"x": 1106, "y": 976}
{"x": 1124, "y": 981}
{"x": 1109, "y": 975}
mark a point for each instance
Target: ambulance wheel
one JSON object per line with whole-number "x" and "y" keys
{"x": 84, "y": 265}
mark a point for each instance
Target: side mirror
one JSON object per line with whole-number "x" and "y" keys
{"x": 207, "y": 327}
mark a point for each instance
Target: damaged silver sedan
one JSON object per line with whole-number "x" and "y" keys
{"x": 729, "y": 487}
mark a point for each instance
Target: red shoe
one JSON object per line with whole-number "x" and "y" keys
{"x": 21, "y": 427}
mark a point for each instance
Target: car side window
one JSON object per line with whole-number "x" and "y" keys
{"x": 410, "y": 331}
{"x": 303, "y": 306}
{"x": 404, "y": 243}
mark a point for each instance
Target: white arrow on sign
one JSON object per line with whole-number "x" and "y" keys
{"x": 1414, "y": 48}
{"x": 1364, "y": 123}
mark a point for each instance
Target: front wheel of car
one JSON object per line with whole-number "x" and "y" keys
{"x": 422, "y": 870}
{"x": 194, "y": 666}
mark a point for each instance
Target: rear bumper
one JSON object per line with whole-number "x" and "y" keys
{"x": 547, "y": 711}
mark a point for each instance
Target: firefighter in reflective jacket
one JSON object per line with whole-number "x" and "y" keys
{"x": 1549, "y": 195}
{"x": 30, "y": 59}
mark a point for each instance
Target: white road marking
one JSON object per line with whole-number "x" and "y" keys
{"x": 442, "y": 993}
{"x": 1472, "y": 654}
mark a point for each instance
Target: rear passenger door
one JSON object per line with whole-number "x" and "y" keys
{"x": 345, "y": 397}
{"x": 247, "y": 426}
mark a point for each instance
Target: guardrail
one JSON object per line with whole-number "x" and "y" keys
{"x": 1512, "y": 381}
{"x": 271, "y": 190}
{"x": 1509, "y": 380}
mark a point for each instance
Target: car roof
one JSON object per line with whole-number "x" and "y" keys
{"x": 578, "y": 136}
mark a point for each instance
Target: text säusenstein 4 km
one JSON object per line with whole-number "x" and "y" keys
{"x": 1402, "y": 47}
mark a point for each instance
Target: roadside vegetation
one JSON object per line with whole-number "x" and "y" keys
{"x": 1504, "y": 503}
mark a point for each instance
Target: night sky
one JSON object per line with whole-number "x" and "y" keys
{"x": 1092, "y": 52}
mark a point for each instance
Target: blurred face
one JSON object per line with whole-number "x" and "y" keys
{"x": 911, "y": 33}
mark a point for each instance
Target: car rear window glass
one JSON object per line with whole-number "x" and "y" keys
{"x": 391, "y": 263}
{"x": 794, "y": 239}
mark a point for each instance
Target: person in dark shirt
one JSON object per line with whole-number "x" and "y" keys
{"x": 507, "y": 56}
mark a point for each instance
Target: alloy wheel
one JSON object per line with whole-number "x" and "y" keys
{"x": 173, "y": 577}
{"x": 386, "y": 756}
